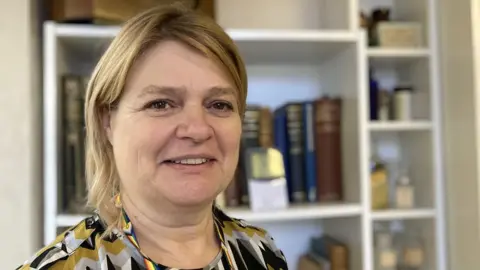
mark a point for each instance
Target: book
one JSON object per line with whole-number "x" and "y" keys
{"x": 328, "y": 149}
{"x": 309, "y": 152}
{"x": 73, "y": 143}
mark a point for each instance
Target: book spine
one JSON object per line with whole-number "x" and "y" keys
{"x": 328, "y": 149}
{"x": 250, "y": 139}
{"x": 296, "y": 151}
{"x": 232, "y": 194}
{"x": 280, "y": 139}
{"x": 73, "y": 138}
{"x": 265, "y": 132}
{"x": 309, "y": 142}
{"x": 334, "y": 251}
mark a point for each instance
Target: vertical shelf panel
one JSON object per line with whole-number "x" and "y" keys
{"x": 440, "y": 247}
{"x": 417, "y": 141}
{"x": 50, "y": 131}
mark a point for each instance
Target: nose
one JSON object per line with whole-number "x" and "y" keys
{"x": 194, "y": 124}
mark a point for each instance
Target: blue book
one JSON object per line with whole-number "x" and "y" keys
{"x": 280, "y": 137}
{"x": 309, "y": 152}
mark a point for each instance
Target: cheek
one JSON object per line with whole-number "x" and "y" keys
{"x": 230, "y": 139}
{"x": 134, "y": 142}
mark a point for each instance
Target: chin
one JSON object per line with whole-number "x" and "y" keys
{"x": 188, "y": 196}
{"x": 189, "y": 201}
{"x": 189, "y": 189}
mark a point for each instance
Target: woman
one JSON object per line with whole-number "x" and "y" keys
{"x": 164, "y": 110}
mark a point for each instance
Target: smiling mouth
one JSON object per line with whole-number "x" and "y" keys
{"x": 190, "y": 161}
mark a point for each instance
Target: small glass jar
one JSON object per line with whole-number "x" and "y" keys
{"x": 386, "y": 257}
{"x": 404, "y": 193}
{"x": 402, "y": 103}
{"x": 412, "y": 254}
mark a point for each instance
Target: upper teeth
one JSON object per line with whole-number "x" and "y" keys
{"x": 191, "y": 161}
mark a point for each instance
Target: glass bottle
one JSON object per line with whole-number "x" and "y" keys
{"x": 403, "y": 103}
{"x": 404, "y": 193}
{"x": 412, "y": 254}
{"x": 385, "y": 254}
{"x": 378, "y": 182}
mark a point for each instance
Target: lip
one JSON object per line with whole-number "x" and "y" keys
{"x": 191, "y": 156}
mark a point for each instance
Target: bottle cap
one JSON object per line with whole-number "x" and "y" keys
{"x": 404, "y": 180}
{"x": 403, "y": 88}
{"x": 384, "y": 239}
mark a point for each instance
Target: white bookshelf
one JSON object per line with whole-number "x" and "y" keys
{"x": 403, "y": 214}
{"x": 291, "y": 56}
{"x": 379, "y": 126}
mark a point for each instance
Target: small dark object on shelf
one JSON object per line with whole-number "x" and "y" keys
{"x": 378, "y": 15}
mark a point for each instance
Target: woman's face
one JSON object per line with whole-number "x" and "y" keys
{"x": 176, "y": 130}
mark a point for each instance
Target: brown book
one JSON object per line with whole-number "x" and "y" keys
{"x": 305, "y": 262}
{"x": 327, "y": 250}
{"x": 328, "y": 149}
{"x": 337, "y": 253}
{"x": 265, "y": 128}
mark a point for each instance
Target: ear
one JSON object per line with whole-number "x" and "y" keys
{"x": 107, "y": 123}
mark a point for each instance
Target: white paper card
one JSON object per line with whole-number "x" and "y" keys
{"x": 268, "y": 195}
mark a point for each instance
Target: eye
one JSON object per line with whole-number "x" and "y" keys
{"x": 159, "y": 105}
{"x": 222, "y": 106}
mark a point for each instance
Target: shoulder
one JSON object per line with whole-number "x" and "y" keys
{"x": 248, "y": 238}
{"x": 68, "y": 248}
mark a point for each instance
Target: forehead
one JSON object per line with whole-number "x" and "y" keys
{"x": 174, "y": 64}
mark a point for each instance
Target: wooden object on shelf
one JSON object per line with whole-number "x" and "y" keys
{"x": 115, "y": 11}
{"x": 329, "y": 248}
{"x": 399, "y": 34}
{"x": 306, "y": 262}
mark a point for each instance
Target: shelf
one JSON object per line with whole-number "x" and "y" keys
{"x": 300, "y": 212}
{"x": 291, "y": 35}
{"x": 85, "y": 31}
{"x": 400, "y": 214}
{"x": 397, "y": 53}
{"x": 258, "y": 46}
{"x": 68, "y": 220}
{"x": 399, "y": 125}
{"x": 290, "y": 46}
{"x": 389, "y": 56}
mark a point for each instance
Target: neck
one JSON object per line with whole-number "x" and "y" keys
{"x": 168, "y": 235}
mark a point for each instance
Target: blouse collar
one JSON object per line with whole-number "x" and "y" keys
{"x": 129, "y": 232}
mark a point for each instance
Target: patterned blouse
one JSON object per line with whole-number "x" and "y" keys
{"x": 243, "y": 246}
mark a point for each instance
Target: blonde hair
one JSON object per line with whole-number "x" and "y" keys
{"x": 107, "y": 84}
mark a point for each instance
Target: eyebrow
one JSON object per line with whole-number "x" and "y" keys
{"x": 179, "y": 91}
{"x": 165, "y": 90}
{"x": 220, "y": 91}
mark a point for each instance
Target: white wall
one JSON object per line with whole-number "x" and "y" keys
{"x": 20, "y": 177}
{"x": 462, "y": 130}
